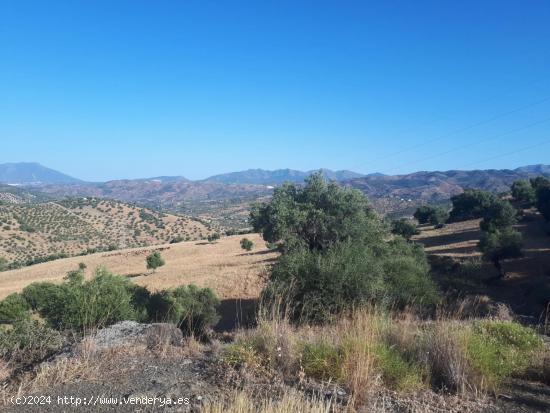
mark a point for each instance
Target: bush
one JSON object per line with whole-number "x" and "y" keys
{"x": 13, "y": 308}
{"x": 499, "y": 349}
{"x": 191, "y": 308}
{"x": 29, "y": 342}
{"x": 405, "y": 228}
{"x": 246, "y": 244}
{"x": 396, "y": 371}
{"x": 3, "y": 264}
{"x": 322, "y": 361}
{"x": 154, "y": 260}
{"x": 430, "y": 214}
{"x": 318, "y": 285}
{"x": 104, "y": 300}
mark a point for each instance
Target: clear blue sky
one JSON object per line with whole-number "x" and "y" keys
{"x": 124, "y": 89}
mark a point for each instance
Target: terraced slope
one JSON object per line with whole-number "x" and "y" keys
{"x": 39, "y": 232}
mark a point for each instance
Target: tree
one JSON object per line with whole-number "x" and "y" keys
{"x": 213, "y": 237}
{"x": 543, "y": 201}
{"x": 498, "y": 214}
{"x": 524, "y": 192}
{"x": 318, "y": 215}
{"x": 246, "y": 244}
{"x": 3, "y": 264}
{"x": 154, "y": 260}
{"x": 470, "y": 204}
{"x": 404, "y": 227}
{"x": 430, "y": 214}
{"x": 337, "y": 253}
{"x": 499, "y": 244}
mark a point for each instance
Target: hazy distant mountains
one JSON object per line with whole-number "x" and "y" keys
{"x": 277, "y": 177}
{"x": 173, "y": 191}
{"x": 24, "y": 173}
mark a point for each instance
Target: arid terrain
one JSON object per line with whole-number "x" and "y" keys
{"x": 34, "y": 231}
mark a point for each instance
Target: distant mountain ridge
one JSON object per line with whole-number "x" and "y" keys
{"x": 279, "y": 176}
{"x": 25, "y": 173}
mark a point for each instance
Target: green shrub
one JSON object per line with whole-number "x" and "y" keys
{"x": 154, "y": 260}
{"x": 191, "y": 308}
{"x": 29, "y": 342}
{"x": 318, "y": 285}
{"x": 397, "y": 372}
{"x": 500, "y": 244}
{"x": 499, "y": 349}
{"x": 404, "y": 227}
{"x": 13, "y": 308}
{"x": 213, "y": 237}
{"x": 321, "y": 360}
{"x": 105, "y": 299}
{"x": 246, "y": 244}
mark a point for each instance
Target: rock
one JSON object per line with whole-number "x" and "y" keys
{"x": 132, "y": 333}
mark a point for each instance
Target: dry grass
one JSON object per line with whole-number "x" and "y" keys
{"x": 222, "y": 266}
{"x": 290, "y": 402}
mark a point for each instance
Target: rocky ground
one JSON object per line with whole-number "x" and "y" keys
{"x": 131, "y": 367}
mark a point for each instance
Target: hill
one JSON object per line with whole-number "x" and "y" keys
{"x": 24, "y": 173}
{"x": 42, "y": 231}
{"x": 391, "y": 193}
{"x": 278, "y": 176}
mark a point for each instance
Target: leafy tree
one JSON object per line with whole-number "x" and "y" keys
{"x": 213, "y": 237}
{"x": 470, "y": 204}
{"x": 318, "y": 215}
{"x": 246, "y": 244}
{"x": 498, "y": 214}
{"x": 539, "y": 182}
{"x": 337, "y": 253}
{"x": 154, "y": 260}
{"x": 404, "y": 227}
{"x": 543, "y": 201}
{"x": 499, "y": 244}
{"x": 524, "y": 192}
{"x": 434, "y": 215}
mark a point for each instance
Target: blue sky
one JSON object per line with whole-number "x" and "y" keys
{"x": 125, "y": 89}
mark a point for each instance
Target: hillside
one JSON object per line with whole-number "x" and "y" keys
{"x": 32, "y": 173}
{"x": 222, "y": 265}
{"x": 32, "y": 232}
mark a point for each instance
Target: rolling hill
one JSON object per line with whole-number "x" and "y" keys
{"x": 42, "y": 231}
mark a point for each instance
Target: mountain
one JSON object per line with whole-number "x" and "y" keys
{"x": 437, "y": 186}
{"x": 23, "y": 173}
{"x": 278, "y": 176}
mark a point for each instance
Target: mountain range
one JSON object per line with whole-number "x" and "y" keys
{"x": 387, "y": 192}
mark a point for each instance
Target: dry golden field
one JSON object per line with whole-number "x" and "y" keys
{"x": 229, "y": 270}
